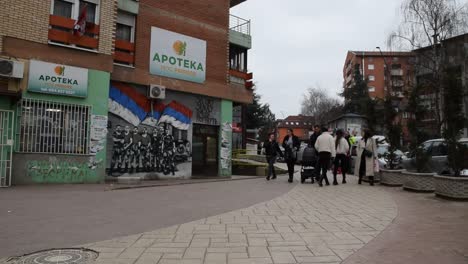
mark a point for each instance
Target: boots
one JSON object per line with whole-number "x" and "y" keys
{"x": 371, "y": 180}
{"x": 335, "y": 182}
{"x": 344, "y": 179}
{"x": 360, "y": 179}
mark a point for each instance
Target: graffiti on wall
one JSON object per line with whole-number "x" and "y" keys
{"x": 147, "y": 136}
{"x": 54, "y": 171}
{"x": 226, "y": 135}
{"x": 204, "y": 110}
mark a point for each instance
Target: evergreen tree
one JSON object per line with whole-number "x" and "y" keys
{"x": 259, "y": 115}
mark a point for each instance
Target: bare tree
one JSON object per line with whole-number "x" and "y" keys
{"x": 425, "y": 26}
{"x": 317, "y": 103}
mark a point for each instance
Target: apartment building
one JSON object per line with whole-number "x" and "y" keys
{"x": 142, "y": 89}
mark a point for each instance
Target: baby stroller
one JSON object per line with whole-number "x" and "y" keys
{"x": 308, "y": 163}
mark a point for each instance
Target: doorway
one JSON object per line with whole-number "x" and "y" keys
{"x": 204, "y": 151}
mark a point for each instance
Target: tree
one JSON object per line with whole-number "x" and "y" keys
{"x": 259, "y": 115}
{"x": 454, "y": 120}
{"x": 358, "y": 101}
{"x": 317, "y": 103}
{"x": 426, "y": 25}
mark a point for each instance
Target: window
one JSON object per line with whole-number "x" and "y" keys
{"x": 371, "y": 89}
{"x": 370, "y": 66}
{"x": 439, "y": 148}
{"x": 71, "y": 9}
{"x": 50, "y": 127}
{"x": 371, "y": 78}
{"x": 125, "y": 29}
{"x": 238, "y": 58}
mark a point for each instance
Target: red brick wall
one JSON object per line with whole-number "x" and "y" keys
{"x": 207, "y": 20}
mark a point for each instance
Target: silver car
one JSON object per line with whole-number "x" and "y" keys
{"x": 437, "y": 148}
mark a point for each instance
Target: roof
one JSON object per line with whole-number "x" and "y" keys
{"x": 384, "y": 53}
{"x": 348, "y": 115}
{"x": 299, "y": 121}
{"x": 445, "y": 40}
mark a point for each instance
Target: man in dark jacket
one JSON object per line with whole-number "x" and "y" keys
{"x": 291, "y": 145}
{"x": 271, "y": 152}
{"x": 313, "y": 139}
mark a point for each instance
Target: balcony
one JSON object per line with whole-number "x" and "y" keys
{"x": 124, "y": 52}
{"x": 398, "y": 83}
{"x": 240, "y": 77}
{"x": 61, "y": 32}
{"x": 239, "y": 32}
{"x": 396, "y": 72}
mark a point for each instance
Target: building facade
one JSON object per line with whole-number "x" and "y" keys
{"x": 385, "y": 72}
{"x": 94, "y": 89}
{"x": 301, "y": 125}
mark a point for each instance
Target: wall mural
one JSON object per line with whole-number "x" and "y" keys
{"x": 151, "y": 137}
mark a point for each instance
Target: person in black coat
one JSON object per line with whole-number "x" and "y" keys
{"x": 313, "y": 139}
{"x": 291, "y": 145}
{"x": 272, "y": 150}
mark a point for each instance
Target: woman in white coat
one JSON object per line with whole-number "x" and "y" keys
{"x": 366, "y": 156}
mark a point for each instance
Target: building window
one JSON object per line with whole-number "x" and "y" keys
{"x": 125, "y": 29}
{"x": 370, "y": 66}
{"x": 371, "y": 89}
{"x": 71, "y": 9}
{"x": 50, "y": 127}
{"x": 238, "y": 58}
{"x": 371, "y": 78}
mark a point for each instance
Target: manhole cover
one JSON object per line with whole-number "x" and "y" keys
{"x": 57, "y": 256}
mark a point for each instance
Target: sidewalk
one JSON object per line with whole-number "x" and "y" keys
{"x": 306, "y": 225}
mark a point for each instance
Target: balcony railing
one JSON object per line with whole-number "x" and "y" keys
{"x": 239, "y": 24}
{"x": 124, "y": 52}
{"x": 61, "y": 31}
{"x": 397, "y": 72}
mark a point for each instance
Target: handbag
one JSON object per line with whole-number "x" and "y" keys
{"x": 367, "y": 153}
{"x": 376, "y": 165}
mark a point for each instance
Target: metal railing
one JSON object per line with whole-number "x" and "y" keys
{"x": 239, "y": 24}
{"x": 51, "y": 127}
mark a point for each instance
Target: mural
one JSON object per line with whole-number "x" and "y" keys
{"x": 153, "y": 137}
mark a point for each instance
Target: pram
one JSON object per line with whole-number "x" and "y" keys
{"x": 308, "y": 163}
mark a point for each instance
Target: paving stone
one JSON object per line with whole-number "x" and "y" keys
{"x": 319, "y": 259}
{"x": 283, "y": 257}
{"x": 132, "y": 253}
{"x": 258, "y": 252}
{"x": 195, "y": 253}
{"x": 250, "y": 261}
{"x": 215, "y": 258}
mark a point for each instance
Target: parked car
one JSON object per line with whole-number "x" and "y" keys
{"x": 437, "y": 149}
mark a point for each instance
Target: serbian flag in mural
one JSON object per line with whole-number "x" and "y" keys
{"x": 154, "y": 115}
{"x": 127, "y": 103}
{"x": 177, "y": 115}
{"x": 80, "y": 26}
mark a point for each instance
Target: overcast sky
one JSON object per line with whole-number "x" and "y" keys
{"x": 302, "y": 43}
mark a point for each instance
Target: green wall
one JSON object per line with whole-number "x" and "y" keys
{"x": 98, "y": 94}
{"x": 225, "y": 134}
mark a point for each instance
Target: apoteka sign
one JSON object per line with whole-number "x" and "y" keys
{"x": 57, "y": 79}
{"x": 177, "y": 56}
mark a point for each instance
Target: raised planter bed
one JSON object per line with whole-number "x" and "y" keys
{"x": 451, "y": 187}
{"x": 392, "y": 178}
{"x": 419, "y": 182}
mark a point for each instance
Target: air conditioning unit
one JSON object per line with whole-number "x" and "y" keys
{"x": 12, "y": 69}
{"x": 157, "y": 92}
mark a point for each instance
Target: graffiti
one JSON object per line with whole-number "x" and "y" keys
{"x": 226, "y": 135}
{"x": 204, "y": 111}
{"x": 60, "y": 171}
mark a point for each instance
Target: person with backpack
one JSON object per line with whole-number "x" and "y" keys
{"x": 342, "y": 149}
{"x": 272, "y": 150}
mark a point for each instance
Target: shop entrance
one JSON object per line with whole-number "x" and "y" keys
{"x": 204, "y": 151}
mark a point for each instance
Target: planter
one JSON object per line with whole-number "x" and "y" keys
{"x": 451, "y": 187}
{"x": 392, "y": 178}
{"x": 419, "y": 182}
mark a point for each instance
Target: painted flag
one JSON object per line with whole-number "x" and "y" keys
{"x": 80, "y": 25}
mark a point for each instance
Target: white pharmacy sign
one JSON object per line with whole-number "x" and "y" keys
{"x": 177, "y": 56}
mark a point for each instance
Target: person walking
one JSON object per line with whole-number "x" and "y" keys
{"x": 313, "y": 139}
{"x": 271, "y": 152}
{"x": 325, "y": 146}
{"x": 291, "y": 145}
{"x": 342, "y": 149}
{"x": 366, "y": 155}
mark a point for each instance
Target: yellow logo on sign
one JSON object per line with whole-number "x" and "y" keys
{"x": 60, "y": 70}
{"x": 179, "y": 47}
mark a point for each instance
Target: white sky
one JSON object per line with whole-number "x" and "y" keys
{"x": 302, "y": 43}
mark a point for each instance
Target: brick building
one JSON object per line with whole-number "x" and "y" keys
{"x": 301, "y": 125}
{"x": 144, "y": 89}
{"x": 373, "y": 67}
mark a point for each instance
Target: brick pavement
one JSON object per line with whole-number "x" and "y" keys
{"x": 306, "y": 225}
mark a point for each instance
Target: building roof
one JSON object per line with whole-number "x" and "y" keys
{"x": 455, "y": 38}
{"x": 299, "y": 121}
{"x": 384, "y": 53}
{"x": 348, "y": 115}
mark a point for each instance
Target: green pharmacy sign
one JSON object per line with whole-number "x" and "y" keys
{"x": 57, "y": 79}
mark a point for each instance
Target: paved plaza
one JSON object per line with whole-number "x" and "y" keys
{"x": 348, "y": 223}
